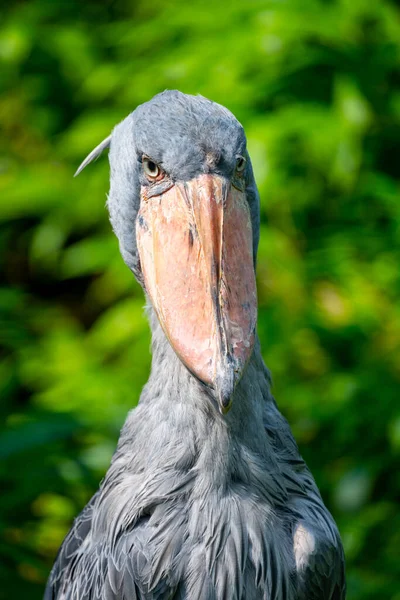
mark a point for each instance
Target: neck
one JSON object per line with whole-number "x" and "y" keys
{"x": 182, "y": 436}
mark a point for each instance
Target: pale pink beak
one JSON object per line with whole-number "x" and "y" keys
{"x": 196, "y": 252}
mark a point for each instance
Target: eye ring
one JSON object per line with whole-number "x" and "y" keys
{"x": 151, "y": 169}
{"x": 240, "y": 164}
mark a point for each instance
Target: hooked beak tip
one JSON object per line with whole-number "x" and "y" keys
{"x": 225, "y": 387}
{"x": 225, "y": 406}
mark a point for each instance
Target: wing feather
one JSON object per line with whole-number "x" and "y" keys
{"x": 318, "y": 550}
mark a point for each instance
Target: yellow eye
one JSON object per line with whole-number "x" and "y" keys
{"x": 240, "y": 164}
{"x": 151, "y": 169}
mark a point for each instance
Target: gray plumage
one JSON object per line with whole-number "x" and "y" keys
{"x": 196, "y": 505}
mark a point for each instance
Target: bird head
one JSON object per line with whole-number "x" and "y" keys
{"x": 185, "y": 208}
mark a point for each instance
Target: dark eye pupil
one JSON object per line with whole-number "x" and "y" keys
{"x": 151, "y": 169}
{"x": 240, "y": 163}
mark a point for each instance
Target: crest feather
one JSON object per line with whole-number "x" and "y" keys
{"x": 94, "y": 154}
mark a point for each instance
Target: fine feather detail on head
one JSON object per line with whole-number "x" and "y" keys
{"x": 94, "y": 154}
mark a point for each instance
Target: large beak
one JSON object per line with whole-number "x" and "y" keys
{"x": 196, "y": 252}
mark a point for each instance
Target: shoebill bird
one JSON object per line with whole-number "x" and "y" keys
{"x": 207, "y": 496}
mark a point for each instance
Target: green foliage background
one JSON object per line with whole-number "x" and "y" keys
{"x": 317, "y": 86}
